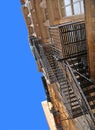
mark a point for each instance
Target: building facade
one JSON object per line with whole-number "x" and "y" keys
{"x": 64, "y": 50}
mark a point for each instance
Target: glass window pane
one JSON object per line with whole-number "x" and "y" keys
{"x": 77, "y": 8}
{"x": 75, "y": 0}
{"x": 68, "y": 11}
{"x": 67, "y": 2}
{"x": 82, "y": 7}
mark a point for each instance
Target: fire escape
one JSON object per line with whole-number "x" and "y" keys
{"x": 64, "y": 61}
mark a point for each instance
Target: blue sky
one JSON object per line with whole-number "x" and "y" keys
{"x": 21, "y": 89}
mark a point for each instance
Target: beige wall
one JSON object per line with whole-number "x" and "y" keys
{"x": 90, "y": 30}
{"x": 49, "y": 116}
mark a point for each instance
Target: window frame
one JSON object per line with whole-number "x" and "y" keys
{"x": 72, "y": 3}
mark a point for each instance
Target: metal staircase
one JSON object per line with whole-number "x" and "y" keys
{"x": 82, "y": 76}
{"x": 73, "y": 95}
{"x": 68, "y": 95}
{"x": 72, "y": 76}
{"x": 69, "y": 49}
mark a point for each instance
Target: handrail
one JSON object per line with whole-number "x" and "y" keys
{"x": 45, "y": 60}
{"x": 82, "y": 76}
{"x": 76, "y": 87}
{"x": 81, "y": 92}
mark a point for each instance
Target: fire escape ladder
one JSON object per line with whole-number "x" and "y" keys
{"x": 72, "y": 93}
{"x": 73, "y": 83}
{"x": 69, "y": 47}
{"x": 69, "y": 98}
{"x": 86, "y": 90}
{"x": 47, "y": 64}
{"x": 87, "y": 87}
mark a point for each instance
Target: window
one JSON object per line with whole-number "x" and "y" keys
{"x": 71, "y": 7}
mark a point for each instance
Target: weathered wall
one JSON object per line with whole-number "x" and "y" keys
{"x": 39, "y": 16}
{"x": 90, "y": 30}
{"x": 67, "y": 124}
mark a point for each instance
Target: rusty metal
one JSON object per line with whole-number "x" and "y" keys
{"x": 68, "y": 40}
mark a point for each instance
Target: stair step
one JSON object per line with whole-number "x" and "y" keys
{"x": 74, "y": 105}
{"x": 92, "y": 106}
{"x": 89, "y": 87}
{"x": 58, "y": 74}
{"x": 77, "y": 112}
{"x": 72, "y": 60}
{"x": 79, "y": 79}
{"x": 71, "y": 97}
{"x": 82, "y": 71}
{"x": 94, "y": 114}
{"x": 86, "y": 92}
{"x": 76, "y": 64}
{"x": 90, "y": 98}
{"x": 86, "y": 84}
{"x": 72, "y": 101}
{"x": 69, "y": 94}
{"x": 67, "y": 90}
{"x": 85, "y": 74}
{"x": 57, "y": 71}
{"x": 52, "y": 63}
{"x": 62, "y": 80}
{"x": 76, "y": 109}
{"x": 63, "y": 84}
{"x": 75, "y": 115}
{"x": 64, "y": 87}
{"x": 51, "y": 76}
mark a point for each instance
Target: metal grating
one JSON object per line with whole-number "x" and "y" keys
{"x": 71, "y": 77}
{"x": 68, "y": 40}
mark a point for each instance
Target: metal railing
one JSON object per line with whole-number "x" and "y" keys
{"x": 63, "y": 75}
{"x": 84, "y": 105}
{"x": 68, "y": 39}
